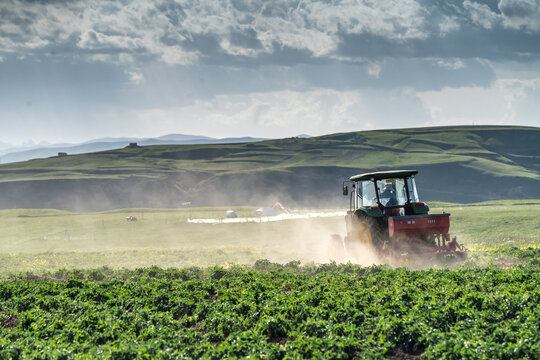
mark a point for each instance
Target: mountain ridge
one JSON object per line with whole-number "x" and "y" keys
{"x": 11, "y": 154}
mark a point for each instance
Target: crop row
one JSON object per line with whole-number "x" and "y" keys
{"x": 273, "y": 311}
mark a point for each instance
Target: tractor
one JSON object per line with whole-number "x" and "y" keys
{"x": 386, "y": 221}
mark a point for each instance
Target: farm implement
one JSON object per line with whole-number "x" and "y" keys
{"x": 387, "y": 221}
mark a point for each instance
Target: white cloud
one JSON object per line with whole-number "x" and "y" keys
{"x": 161, "y": 28}
{"x": 93, "y": 40}
{"x": 374, "y": 70}
{"x": 481, "y": 14}
{"x": 454, "y": 64}
{"x": 135, "y": 77}
{"x": 392, "y": 19}
{"x": 175, "y": 55}
{"x": 448, "y": 24}
{"x": 36, "y": 43}
{"x": 523, "y": 15}
{"x": 284, "y": 113}
{"x": 122, "y": 58}
{"x": 138, "y": 25}
{"x": 231, "y": 49}
{"x": 499, "y": 104}
{"x": 274, "y": 114}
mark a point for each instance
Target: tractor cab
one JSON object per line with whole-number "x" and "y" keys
{"x": 385, "y": 193}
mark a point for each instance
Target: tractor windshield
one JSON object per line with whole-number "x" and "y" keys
{"x": 392, "y": 192}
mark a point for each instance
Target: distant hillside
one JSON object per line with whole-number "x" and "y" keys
{"x": 457, "y": 164}
{"x": 9, "y": 155}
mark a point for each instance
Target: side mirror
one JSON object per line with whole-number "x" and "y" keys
{"x": 345, "y": 190}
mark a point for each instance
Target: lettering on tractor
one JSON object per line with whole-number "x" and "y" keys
{"x": 387, "y": 220}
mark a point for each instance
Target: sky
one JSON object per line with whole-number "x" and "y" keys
{"x": 75, "y": 70}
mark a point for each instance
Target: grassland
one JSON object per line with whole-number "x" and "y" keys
{"x": 481, "y": 147}
{"x": 465, "y": 164}
{"x": 47, "y": 240}
{"x": 495, "y": 224}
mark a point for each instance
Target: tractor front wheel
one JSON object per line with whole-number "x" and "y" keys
{"x": 365, "y": 242}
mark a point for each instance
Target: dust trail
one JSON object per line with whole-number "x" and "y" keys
{"x": 267, "y": 218}
{"x": 309, "y": 237}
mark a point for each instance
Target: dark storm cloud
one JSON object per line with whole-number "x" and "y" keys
{"x": 469, "y": 43}
{"x": 172, "y": 10}
{"x": 518, "y": 8}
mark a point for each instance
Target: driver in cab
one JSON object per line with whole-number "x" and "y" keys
{"x": 388, "y": 195}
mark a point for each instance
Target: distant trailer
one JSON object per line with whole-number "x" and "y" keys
{"x": 60, "y": 154}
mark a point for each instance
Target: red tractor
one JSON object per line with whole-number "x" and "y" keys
{"x": 386, "y": 221}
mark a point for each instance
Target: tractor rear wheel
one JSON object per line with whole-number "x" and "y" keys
{"x": 366, "y": 241}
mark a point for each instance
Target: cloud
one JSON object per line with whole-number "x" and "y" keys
{"x": 265, "y": 68}
{"x": 507, "y": 101}
{"x": 135, "y": 77}
{"x": 521, "y": 14}
{"x": 455, "y": 64}
{"x": 282, "y": 113}
{"x": 448, "y": 24}
{"x": 93, "y": 40}
{"x": 175, "y": 55}
{"x": 480, "y": 14}
{"x": 242, "y": 32}
{"x": 374, "y": 70}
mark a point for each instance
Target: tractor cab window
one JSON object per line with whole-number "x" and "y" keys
{"x": 392, "y": 192}
{"x": 367, "y": 193}
{"x": 413, "y": 195}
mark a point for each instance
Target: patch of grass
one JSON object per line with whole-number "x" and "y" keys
{"x": 40, "y": 240}
{"x": 492, "y": 225}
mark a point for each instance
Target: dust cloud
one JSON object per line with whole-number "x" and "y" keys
{"x": 182, "y": 232}
{"x": 311, "y": 237}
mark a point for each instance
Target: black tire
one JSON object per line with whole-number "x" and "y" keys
{"x": 368, "y": 232}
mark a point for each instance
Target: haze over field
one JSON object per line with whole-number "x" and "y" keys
{"x": 71, "y": 71}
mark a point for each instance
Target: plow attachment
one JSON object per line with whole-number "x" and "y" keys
{"x": 414, "y": 238}
{"x": 421, "y": 237}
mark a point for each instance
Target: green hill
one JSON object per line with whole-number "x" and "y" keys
{"x": 459, "y": 164}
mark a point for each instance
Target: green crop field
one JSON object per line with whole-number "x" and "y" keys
{"x": 271, "y": 311}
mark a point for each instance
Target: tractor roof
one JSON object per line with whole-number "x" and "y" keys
{"x": 384, "y": 175}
